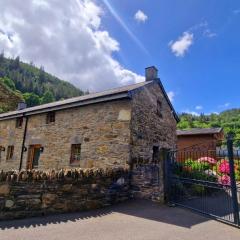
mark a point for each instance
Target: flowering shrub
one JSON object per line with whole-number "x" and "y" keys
{"x": 208, "y": 160}
{"x": 223, "y": 167}
{"x": 195, "y": 170}
{"x": 224, "y": 179}
{"x": 207, "y": 168}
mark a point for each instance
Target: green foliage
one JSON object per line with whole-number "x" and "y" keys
{"x": 196, "y": 166}
{"x": 47, "y": 97}
{"x": 31, "y": 99}
{"x": 28, "y": 79}
{"x": 194, "y": 170}
{"x": 229, "y": 120}
{"x": 237, "y": 169}
{"x": 8, "y": 82}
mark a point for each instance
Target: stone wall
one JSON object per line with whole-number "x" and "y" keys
{"x": 10, "y": 136}
{"x": 102, "y": 129}
{"x": 150, "y": 129}
{"x": 36, "y": 193}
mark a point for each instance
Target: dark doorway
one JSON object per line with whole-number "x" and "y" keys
{"x": 155, "y": 155}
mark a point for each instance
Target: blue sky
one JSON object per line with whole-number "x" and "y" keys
{"x": 207, "y": 77}
{"x": 101, "y": 44}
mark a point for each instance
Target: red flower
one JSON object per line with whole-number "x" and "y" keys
{"x": 224, "y": 167}
{"x": 224, "y": 179}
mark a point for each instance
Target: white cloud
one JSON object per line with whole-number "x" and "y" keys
{"x": 225, "y": 105}
{"x": 191, "y": 112}
{"x": 171, "y": 95}
{"x": 208, "y": 33}
{"x": 67, "y": 38}
{"x": 180, "y": 46}
{"x": 202, "y": 29}
{"x": 140, "y": 16}
{"x": 199, "y": 107}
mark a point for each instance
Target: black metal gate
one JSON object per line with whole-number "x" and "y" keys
{"x": 206, "y": 178}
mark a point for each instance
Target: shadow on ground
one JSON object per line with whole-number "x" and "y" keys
{"x": 141, "y": 208}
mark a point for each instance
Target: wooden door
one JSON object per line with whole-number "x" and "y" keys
{"x": 33, "y": 156}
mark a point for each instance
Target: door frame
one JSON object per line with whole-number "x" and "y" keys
{"x": 31, "y": 152}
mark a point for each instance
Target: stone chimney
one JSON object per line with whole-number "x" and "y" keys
{"x": 21, "y": 106}
{"x": 151, "y": 73}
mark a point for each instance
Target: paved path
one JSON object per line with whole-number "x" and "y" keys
{"x": 133, "y": 220}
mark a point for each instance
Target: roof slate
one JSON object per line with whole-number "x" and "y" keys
{"x": 83, "y": 98}
{"x": 199, "y": 131}
{"x": 111, "y": 94}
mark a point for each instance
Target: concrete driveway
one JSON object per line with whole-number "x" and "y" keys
{"x": 132, "y": 220}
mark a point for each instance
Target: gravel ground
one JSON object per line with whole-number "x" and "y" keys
{"x": 141, "y": 220}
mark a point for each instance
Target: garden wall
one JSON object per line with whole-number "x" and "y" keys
{"x": 34, "y": 193}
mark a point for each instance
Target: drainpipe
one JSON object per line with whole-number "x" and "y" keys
{"x": 23, "y": 143}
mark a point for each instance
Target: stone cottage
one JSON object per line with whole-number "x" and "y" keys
{"x": 111, "y": 128}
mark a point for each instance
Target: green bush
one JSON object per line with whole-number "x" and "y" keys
{"x": 194, "y": 170}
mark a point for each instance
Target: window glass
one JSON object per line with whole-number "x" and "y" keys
{"x": 19, "y": 122}
{"x": 75, "y": 153}
{"x": 50, "y": 117}
{"x": 159, "y": 109}
{"x": 10, "y": 151}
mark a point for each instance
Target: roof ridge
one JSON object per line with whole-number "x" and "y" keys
{"x": 92, "y": 96}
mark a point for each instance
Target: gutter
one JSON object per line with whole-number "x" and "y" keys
{"x": 23, "y": 143}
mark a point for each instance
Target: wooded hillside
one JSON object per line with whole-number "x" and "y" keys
{"x": 229, "y": 120}
{"x": 34, "y": 84}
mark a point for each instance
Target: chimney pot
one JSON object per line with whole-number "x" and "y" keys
{"x": 151, "y": 73}
{"x": 21, "y": 106}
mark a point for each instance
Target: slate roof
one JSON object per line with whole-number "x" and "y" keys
{"x": 108, "y": 95}
{"x": 199, "y": 131}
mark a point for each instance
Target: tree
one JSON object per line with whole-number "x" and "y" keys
{"x": 2, "y": 57}
{"x": 47, "y": 97}
{"x": 9, "y": 83}
{"x": 31, "y": 99}
{"x": 42, "y": 75}
{"x": 16, "y": 62}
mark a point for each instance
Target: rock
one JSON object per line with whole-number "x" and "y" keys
{"x": 83, "y": 191}
{"x": 59, "y": 206}
{"x": 102, "y": 149}
{"x": 9, "y": 203}
{"x": 94, "y": 186}
{"x": 67, "y": 188}
{"x": 124, "y": 115}
{"x": 35, "y": 201}
{"x": 4, "y": 190}
{"x": 48, "y": 199}
{"x": 30, "y": 196}
{"x": 93, "y": 204}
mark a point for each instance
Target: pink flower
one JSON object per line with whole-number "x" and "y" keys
{"x": 208, "y": 160}
{"x": 224, "y": 179}
{"x": 224, "y": 167}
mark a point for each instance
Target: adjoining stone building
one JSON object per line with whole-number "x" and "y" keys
{"x": 111, "y": 128}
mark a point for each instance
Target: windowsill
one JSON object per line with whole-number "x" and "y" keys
{"x": 50, "y": 123}
{"x": 74, "y": 164}
{"x": 9, "y": 160}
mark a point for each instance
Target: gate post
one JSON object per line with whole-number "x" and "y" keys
{"x": 167, "y": 176}
{"x": 233, "y": 180}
